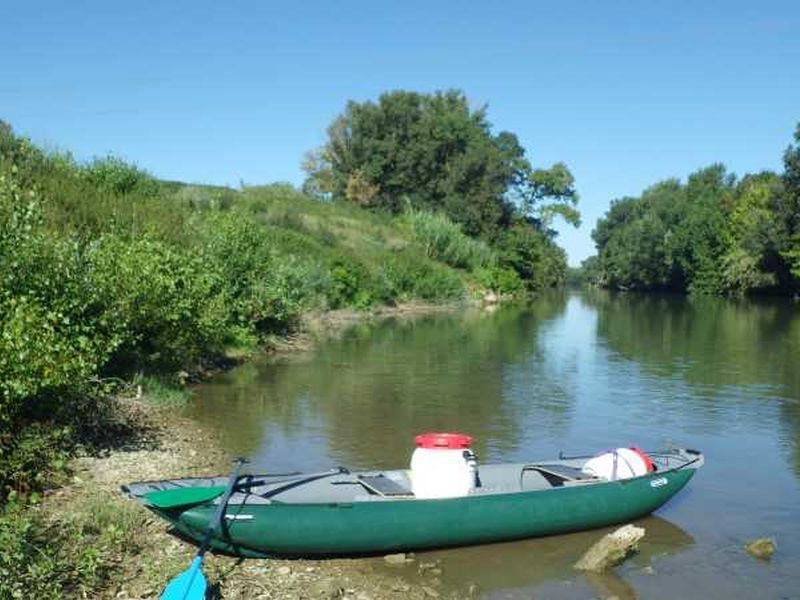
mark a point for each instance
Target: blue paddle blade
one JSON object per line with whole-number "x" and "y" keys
{"x": 189, "y": 585}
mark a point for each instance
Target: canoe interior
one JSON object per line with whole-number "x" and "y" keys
{"x": 343, "y": 486}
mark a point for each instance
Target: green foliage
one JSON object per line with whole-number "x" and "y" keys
{"x": 589, "y": 272}
{"x": 32, "y": 458}
{"x": 169, "y": 310}
{"x": 790, "y": 206}
{"x": 435, "y": 153}
{"x": 75, "y": 557}
{"x": 533, "y": 255}
{"x": 349, "y": 285}
{"x": 500, "y": 280}
{"x": 443, "y": 240}
{"x": 119, "y": 177}
{"x": 405, "y": 276}
{"x": 709, "y": 235}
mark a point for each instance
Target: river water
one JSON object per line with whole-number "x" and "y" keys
{"x": 572, "y": 371}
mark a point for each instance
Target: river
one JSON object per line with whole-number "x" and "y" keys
{"x": 572, "y": 371}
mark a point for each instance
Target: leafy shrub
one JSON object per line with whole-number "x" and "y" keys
{"x": 117, "y": 176}
{"x": 533, "y": 255}
{"x": 500, "y": 280}
{"x": 349, "y": 285}
{"x": 164, "y": 308}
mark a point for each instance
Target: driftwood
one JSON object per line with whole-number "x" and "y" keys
{"x": 611, "y": 550}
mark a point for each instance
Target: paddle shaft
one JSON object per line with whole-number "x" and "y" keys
{"x": 223, "y": 504}
{"x": 191, "y": 584}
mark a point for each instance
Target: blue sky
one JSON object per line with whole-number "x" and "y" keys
{"x": 625, "y": 93}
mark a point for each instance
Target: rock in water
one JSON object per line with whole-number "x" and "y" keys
{"x": 762, "y": 548}
{"x": 612, "y": 549}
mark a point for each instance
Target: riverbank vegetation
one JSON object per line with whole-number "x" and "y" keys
{"x": 113, "y": 280}
{"x": 712, "y": 234}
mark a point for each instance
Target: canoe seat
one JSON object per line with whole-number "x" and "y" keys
{"x": 383, "y": 486}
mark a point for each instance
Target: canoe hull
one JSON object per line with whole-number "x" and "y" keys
{"x": 360, "y": 528}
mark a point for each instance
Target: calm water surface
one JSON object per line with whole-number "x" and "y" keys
{"x": 578, "y": 372}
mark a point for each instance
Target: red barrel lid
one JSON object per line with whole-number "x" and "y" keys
{"x": 444, "y": 441}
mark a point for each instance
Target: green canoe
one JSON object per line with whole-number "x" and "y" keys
{"x": 339, "y": 513}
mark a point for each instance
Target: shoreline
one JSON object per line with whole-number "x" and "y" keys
{"x": 170, "y": 445}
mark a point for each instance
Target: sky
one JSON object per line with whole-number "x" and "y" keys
{"x": 625, "y": 93}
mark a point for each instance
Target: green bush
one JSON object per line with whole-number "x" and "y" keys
{"x": 500, "y": 280}
{"x": 350, "y": 285}
{"x": 117, "y": 176}
{"x": 164, "y": 308}
{"x": 533, "y": 255}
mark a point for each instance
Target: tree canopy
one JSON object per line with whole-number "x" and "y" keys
{"x": 713, "y": 234}
{"x": 433, "y": 152}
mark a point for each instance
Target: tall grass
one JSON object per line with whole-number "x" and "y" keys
{"x": 443, "y": 240}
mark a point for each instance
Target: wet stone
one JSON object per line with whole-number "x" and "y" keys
{"x": 761, "y": 548}
{"x": 611, "y": 549}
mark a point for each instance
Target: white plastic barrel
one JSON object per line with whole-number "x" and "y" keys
{"x": 443, "y": 466}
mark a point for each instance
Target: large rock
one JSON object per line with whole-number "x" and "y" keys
{"x": 612, "y": 549}
{"x": 762, "y": 548}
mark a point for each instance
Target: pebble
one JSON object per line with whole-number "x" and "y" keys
{"x": 284, "y": 570}
{"x": 429, "y": 591}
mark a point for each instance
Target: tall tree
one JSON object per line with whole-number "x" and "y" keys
{"x": 791, "y": 203}
{"x": 433, "y": 152}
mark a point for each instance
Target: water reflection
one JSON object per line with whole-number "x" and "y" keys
{"x": 710, "y": 341}
{"x": 360, "y": 399}
{"x": 516, "y": 568}
{"x": 745, "y": 350}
